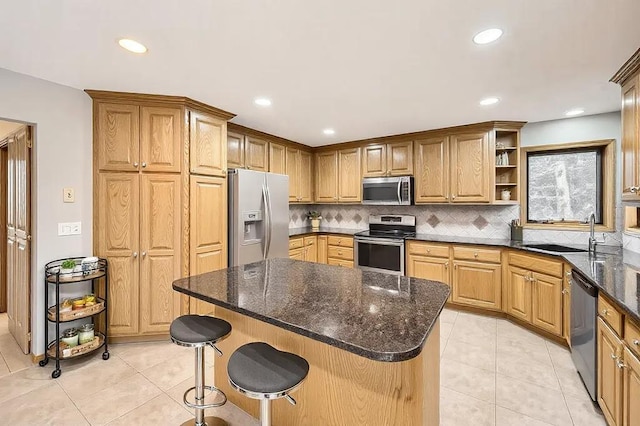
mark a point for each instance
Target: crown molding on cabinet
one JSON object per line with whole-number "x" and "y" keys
{"x": 627, "y": 70}
{"x": 237, "y": 128}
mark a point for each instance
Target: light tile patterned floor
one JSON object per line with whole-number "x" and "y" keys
{"x": 492, "y": 373}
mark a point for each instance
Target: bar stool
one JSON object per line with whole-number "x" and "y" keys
{"x": 198, "y": 331}
{"x": 262, "y": 372}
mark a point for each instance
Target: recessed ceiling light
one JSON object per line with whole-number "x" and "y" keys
{"x": 262, "y": 102}
{"x": 575, "y": 111}
{"x": 329, "y": 132}
{"x": 132, "y": 45}
{"x": 487, "y": 36}
{"x": 489, "y": 101}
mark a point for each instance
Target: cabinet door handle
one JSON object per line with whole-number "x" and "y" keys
{"x": 605, "y": 312}
{"x": 453, "y": 197}
{"x": 446, "y": 265}
{"x": 144, "y": 253}
{"x": 636, "y": 342}
{"x": 135, "y": 254}
{"x": 633, "y": 189}
{"x": 455, "y": 266}
{"x": 144, "y": 164}
{"x": 475, "y": 254}
{"x": 446, "y": 197}
{"x": 565, "y": 291}
{"x": 614, "y": 356}
{"x": 428, "y": 250}
{"x": 135, "y": 164}
{"x": 621, "y": 364}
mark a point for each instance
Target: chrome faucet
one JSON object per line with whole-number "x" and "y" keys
{"x": 593, "y": 242}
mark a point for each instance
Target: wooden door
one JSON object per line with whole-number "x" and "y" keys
{"x": 477, "y": 284}
{"x": 518, "y": 302}
{"x": 400, "y": 158}
{"x": 208, "y": 145}
{"x": 374, "y": 160}
{"x": 256, "y": 154}
{"x": 297, "y": 254}
{"x": 208, "y": 226}
{"x": 160, "y": 251}
{"x": 327, "y": 177}
{"x": 11, "y": 234}
{"x": 161, "y": 141}
{"x": 277, "y": 162}
{"x": 293, "y": 170}
{"x": 609, "y": 375}
{"x": 432, "y": 170}
{"x": 630, "y": 138}
{"x": 311, "y": 249}
{"x": 117, "y": 130}
{"x": 349, "y": 179}
{"x": 305, "y": 177}
{"x": 323, "y": 249}
{"x": 470, "y": 168}
{"x": 631, "y": 389}
{"x": 546, "y": 303}
{"x": 3, "y": 227}
{"x": 429, "y": 268}
{"x": 118, "y": 236}
{"x": 235, "y": 150}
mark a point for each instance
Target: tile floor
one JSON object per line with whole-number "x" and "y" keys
{"x": 492, "y": 373}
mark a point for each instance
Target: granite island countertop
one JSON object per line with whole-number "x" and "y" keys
{"x": 378, "y": 316}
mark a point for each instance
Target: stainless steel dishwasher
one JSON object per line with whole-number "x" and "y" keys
{"x": 584, "y": 300}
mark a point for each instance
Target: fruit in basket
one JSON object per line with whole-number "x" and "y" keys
{"x": 78, "y": 304}
{"x": 90, "y": 298}
{"x": 66, "y": 305}
{"x": 87, "y": 304}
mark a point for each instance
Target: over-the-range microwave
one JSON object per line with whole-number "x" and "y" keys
{"x": 388, "y": 191}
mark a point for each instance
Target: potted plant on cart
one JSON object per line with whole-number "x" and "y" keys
{"x": 315, "y": 219}
{"x": 66, "y": 267}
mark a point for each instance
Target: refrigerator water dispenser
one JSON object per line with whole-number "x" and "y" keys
{"x": 253, "y": 227}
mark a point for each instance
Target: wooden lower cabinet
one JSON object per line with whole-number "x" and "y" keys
{"x": 609, "y": 374}
{"x": 630, "y": 389}
{"x": 311, "y": 248}
{"x": 323, "y": 249}
{"x": 429, "y": 268}
{"x": 340, "y": 251}
{"x": 477, "y": 284}
{"x": 296, "y": 254}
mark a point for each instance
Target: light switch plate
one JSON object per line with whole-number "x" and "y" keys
{"x": 69, "y": 195}
{"x": 70, "y": 228}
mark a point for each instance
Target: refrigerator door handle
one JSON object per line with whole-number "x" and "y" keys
{"x": 266, "y": 219}
{"x": 269, "y": 223}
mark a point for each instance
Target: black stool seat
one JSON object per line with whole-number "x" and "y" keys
{"x": 194, "y": 329}
{"x": 260, "y": 368}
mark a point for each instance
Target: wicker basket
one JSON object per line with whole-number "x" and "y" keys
{"x": 78, "y": 313}
{"x": 67, "y": 352}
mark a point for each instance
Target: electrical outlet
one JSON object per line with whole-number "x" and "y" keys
{"x": 68, "y": 195}
{"x": 70, "y": 228}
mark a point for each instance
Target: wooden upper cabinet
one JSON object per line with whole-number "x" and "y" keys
{"x": 208, "y": 145}
{"x": 256, "y": 154}
{"x": 235, "y": 150}
{"x": 470, "y": 168}
{"x": 327, "y": 177}
{"x": 374, "y": 160}
{"x": 393, "y": 159}
{"x": 161, "y": 142}
{"x": 277, "y": 162}
{"x": 432, "y": 170}
{"x": 305, "y": 181}
{"x": 117, "y": 128}
{"x": 631, "y": 139}
{"x": 349, "y": 179}
{"x": 292, "y": 162}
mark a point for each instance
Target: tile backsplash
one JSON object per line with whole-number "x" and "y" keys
{"x": 491, "y": 221}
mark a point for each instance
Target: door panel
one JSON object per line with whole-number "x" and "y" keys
{"x": 327, "y": 179}
{"x": 631, "y": 390}
{"x": 208, "y": 145}
{"x": 349, "y": 181}
{"x": 277, "y": 159}
{"x": 118, "y": 241}
{"x": 323, "y": 249}
{"x": 432, "y": 170}
{"x": 160, "y": 230}
{"x": 235, "y": 150}
{"x": 305, "y": 178}
{"x": 161, "y": 140}
{"x": 118, "y": 137}
{"x": 630, "y": 136}
{"x": 293, "y": 171}
{"x": 547, "y": 306}
{"x": 400, "y": 158}
{"x": 374, "y": 160}
{"x": 518, "y": 294}
{"x": 477, "y": 284}
{"x": 256, "y": 154}
{"x": 3, "y": 229}
{"x": 470, "y": 168}
{"x": 311, "y": 249}
{"x": 609, "y": 375}
{"x": 430, "y": 268}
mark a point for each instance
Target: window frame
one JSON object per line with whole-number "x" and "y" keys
{"x": 608, "y": 190}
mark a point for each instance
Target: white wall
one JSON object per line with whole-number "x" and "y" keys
{"x": 62, "y": 157}
{"x": 577, "y": 129}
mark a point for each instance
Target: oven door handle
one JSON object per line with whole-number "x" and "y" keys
{"x": 382, "y": 241}
{"x": 399, "y": 191}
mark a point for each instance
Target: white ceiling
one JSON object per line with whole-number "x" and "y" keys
{"x": 363, "y": 67}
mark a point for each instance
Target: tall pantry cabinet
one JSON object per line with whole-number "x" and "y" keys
{"x": 159, "y": 203}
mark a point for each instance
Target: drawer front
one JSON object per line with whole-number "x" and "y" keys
{"x": 309, "y": 241}
{"x": 345, "y": 253}
{"x": 296, "y": 242}
{"x": 340, "y": 262}
{"x": 340, "y": 241}
{"x": 428, "y": 249}
{"x": 610, "y": 314}
{"x": 536, "y": 263}
{"x": 475, "y": 253}
{"x": 632, "y": 336}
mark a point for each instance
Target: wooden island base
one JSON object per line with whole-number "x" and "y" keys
{"x": 342, "y": 388}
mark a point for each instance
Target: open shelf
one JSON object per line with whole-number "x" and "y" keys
{"x": 507, "y": 153}
{"x": 91, "y": 347}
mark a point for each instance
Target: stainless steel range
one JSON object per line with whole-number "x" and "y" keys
{"x": 381, "y": 248}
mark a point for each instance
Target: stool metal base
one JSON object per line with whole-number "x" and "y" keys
{"x": 196, "y": 405}
{"x": 208, "y": 421}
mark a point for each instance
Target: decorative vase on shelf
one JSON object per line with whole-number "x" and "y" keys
{"x": 315, "y": 223}
{"x": 315, "y": 217}
{"x": 505, "y": 195}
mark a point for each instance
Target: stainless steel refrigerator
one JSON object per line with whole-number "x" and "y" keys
{"x": 258, "y": 216}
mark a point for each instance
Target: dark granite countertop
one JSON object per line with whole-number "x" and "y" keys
{"x": 378, "y": 316}
{"x": 293, "y": 232}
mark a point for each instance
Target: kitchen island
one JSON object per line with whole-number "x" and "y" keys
{"x": 372, "y": 340}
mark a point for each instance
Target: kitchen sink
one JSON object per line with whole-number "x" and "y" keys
{"x": 554, "y": 247}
